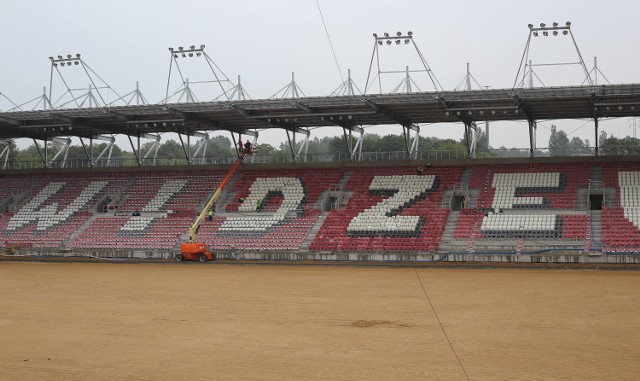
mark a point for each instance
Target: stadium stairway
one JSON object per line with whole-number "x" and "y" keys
{"x": 81, "y": 229}
{"x": 314, "y": 230}
{"x": 345, "y": 178}
{"x": 464, "y": 179}
{"x": 20, "y": 197}
{"x": 596, "y": 227}
{"x": 596, "y": 174}
{"x": 119, "y": 196}
{"x": 582, "y": 198}
{"x": 226, "y": 196}
{"x": 449, "y": 229}
{"x": 343, "y": 198}
{"x": 471, "y": 200}
{"x": 336, "y": 197}
{"x": 4, "y": 204}
{"x": 598, "y": 187}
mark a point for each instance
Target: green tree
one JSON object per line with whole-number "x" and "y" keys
{"x": 266, "y": 149}
{"x": 391, "y": 143}
{"x": 610, "y": 145}
{"x": 558, "y": 143}
{"x": 220, "y": 146}
{"x": 578, "y": 146}
{"x": 169, "y": 148}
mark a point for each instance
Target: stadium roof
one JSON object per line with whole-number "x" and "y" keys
{"x": 584, "y": 102}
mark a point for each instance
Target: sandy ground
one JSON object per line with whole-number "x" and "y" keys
{"x": 83, "y": 321}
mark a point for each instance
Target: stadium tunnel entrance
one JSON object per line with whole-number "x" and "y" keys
{"x": 457, "y": 203}
{"x": 595, "y": 201}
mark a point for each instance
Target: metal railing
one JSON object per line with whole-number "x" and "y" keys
{"x": 432, "y": 155}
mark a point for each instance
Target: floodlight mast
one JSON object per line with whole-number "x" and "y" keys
{"x": 526, "y": 65}
{"x": 398, "y": 39}
{"x": 97, "y": 84}
{"x": 184, "y": 90}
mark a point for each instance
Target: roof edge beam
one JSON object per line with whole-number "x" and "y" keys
{"x": 379, "y": 109}
{"x": 10, "y": 121}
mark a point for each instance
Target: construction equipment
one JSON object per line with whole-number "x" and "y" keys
{"x": 10, "y": 248}
{"x": 192, "y": 250}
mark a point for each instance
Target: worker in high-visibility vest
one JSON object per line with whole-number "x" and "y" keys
{"x": 210, "y": 215}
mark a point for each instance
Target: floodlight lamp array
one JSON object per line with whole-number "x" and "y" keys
{"x": 66, "y": 61}
{"x": 184, "y": 52}
{"x": 337, "y": 117}
{"x": 493, "y": 111}
{"x": 399, "y": 38}
{"x": 555, "y": 29}
{"x": 156, "y": 124}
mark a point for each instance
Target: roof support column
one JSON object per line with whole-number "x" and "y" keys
{"x": 411, "y": 145}
{"x": 347, "y": 142}
{"x": 135, "y": 151}
{"x": 305, "y": 145}
{"x": 533, "y": 128}
{"x": 189, "y": 158}
{"x": 354, "y": 151}
{"x": 108, "y": 147}
{"x": 201, "y": 145}
{"x": 357, "y": 150}
{"x": 595, "y": 122}
{"x": 5, "y": 152}
{"x": 238, "y": 145}
{"x": 65, "y": 149}
{"x": 470, "y": 137}
{"x": 46, "y": 153}
{"x": 153, "y": 148}
{"x": 139, "y": 152}
{"x": 86, "y": 152}
{"x": 42, "y": 157}
{"x": 292, "y": 144}
{"x": 185, "y": 149}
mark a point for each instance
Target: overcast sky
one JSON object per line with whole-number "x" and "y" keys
{"x": 265, "y": 41}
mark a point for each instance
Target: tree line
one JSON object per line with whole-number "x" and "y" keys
{"x": 561, "y": 145}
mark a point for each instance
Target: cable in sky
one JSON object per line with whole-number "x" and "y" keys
{"x": 329, "y": 38}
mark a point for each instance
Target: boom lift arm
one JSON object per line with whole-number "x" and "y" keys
{"x": 193, "y": 230}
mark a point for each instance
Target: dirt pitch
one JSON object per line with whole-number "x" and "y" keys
{"x": 92, "y": 321}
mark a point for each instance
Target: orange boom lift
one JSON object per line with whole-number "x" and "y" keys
{"x": 192, "y": 250}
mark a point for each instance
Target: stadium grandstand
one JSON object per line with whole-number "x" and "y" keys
{"x": 407, "y": 208}
{"x": 580, "y": 209}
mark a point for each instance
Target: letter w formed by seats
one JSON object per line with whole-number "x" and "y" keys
{"x": 49, "y": 216}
